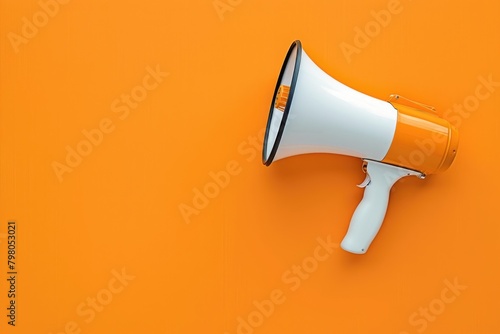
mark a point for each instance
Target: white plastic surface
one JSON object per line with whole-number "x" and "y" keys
{"x": 326, "y": 116}
{"x": 370, "y": 213}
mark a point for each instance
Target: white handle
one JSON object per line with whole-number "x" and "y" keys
{"x": 370, "y": 213}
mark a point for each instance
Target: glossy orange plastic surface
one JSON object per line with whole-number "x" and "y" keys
{"x": 423, "y": 141}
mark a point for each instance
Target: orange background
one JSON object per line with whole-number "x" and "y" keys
{"x": 119, "y": 209}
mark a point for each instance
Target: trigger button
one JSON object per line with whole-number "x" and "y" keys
{"x": 365, "y": 182}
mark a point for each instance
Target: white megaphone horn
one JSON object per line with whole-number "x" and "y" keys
{"x": 313, "y": 113}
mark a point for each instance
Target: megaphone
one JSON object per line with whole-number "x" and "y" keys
{"x": 313, "y": 113}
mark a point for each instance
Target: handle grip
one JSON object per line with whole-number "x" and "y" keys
{"x": 369, "y": 215}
